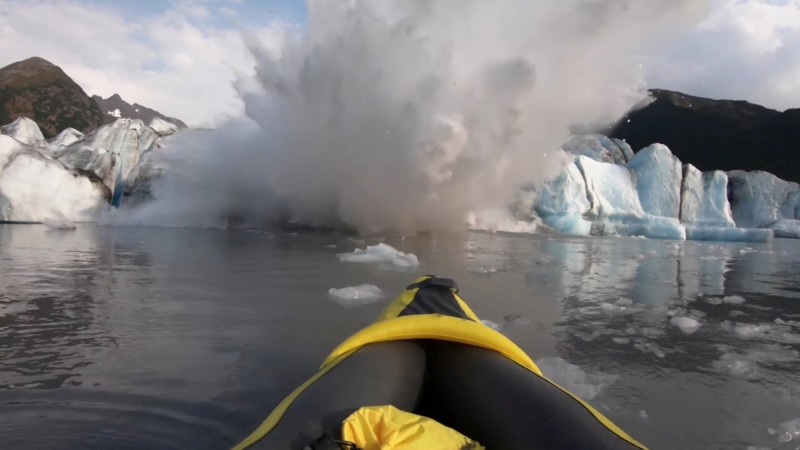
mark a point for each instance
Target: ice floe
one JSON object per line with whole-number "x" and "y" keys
{"x": 687, "y": 324}
{"x": 573, "y": 378}
{"x": 380, "y": 254}
{"x": 356, "y": 295}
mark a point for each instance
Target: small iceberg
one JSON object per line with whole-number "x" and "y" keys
{"x": 381, "y": 253}
{"x": 787, "y": 431}
{"x": 733, "y": 299}
{"x": 490, "y": 324}
{"x": 687, "y": 324}
{"x": 583, "y": 384}
{"x": 362, "y": 294}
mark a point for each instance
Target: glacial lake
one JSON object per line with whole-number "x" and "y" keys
{"x": 132, "y": 338}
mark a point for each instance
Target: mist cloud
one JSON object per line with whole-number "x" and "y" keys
{"x": 403, "y": 116}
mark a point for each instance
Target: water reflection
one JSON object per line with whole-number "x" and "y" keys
{"x": 621, "y": 303}
{"x": 162, "y": 329}
{"x": 49, "y": 311}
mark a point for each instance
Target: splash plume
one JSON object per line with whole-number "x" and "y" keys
{"x": 404, "y": 115}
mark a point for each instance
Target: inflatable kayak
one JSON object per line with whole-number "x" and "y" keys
{"x": 428, "y": 374}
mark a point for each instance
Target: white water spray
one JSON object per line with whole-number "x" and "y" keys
{"x": 402, "y": 116}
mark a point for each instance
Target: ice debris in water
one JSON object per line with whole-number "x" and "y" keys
{"x": 748, "y": 331}
{"x": 485, "y": 270}
{"x": 621, "y": 306}
{"x": 733, "y": 299}
{"x": 687, "y": 324}
{"x": 650, "y": 347}
{"x": 381, "y": 253}
{"x": 734, "y": 365}
{"x": 490, "y": 324}
{"x": 787, "y": 431}
{"x": 571, "y": 377}
{"x": 362, "y": 294}
{"x": 792, "y": 323}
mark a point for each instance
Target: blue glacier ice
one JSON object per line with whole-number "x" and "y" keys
{"x": 114, "y": 153}
{"x": 653, "y": 195}
{"x": 657, "y": 173}
{"x": 562, "y": 203}
{"x": 599, "y": 147}
{"x": 760, "y": 199}
{"x": 704, "y": 198}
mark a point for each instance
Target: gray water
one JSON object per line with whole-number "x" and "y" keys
{"x": 178, "y": 338}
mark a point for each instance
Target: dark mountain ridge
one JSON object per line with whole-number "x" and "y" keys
{"x": 41, "y": 91}
{"x": 717, "y": 134}
{"x": 115, "y": 103}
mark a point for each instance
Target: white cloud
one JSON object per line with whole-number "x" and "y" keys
{"x": 746, "y": 49}
{"x": 178, "y": 62}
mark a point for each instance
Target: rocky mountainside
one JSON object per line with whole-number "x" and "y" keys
{"x": 40, "y": 90}
{"x": 717, "y": 134}
{"x": 115, "y": 107}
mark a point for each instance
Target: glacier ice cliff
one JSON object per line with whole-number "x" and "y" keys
{"x": 72, "y": 177}
{"x": 608, "y": 190}
{"x": 605, "y": 189}
{"x": 35, "y": 188}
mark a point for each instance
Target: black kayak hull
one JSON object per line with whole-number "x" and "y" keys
{"x": 428, "y": 354}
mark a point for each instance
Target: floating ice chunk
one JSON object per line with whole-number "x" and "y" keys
{"x": 643, "y": 414}
{"x": 381, "y": 253}
{"x": 714, "y": 300}
{"x": 620, "y": 306}
{"x": 791, "y": 323}
{"x": 621, "y": 340}
{"x": 749, "y": 331}
{"x": 786, "y": 228}
{"x": 705, "y": 233}
{"x": 733, "y": 299}
{"x": 650, "y": 347}
{"x": 356, "y": 295}
{"x": 573, "y": 378}
{"x": 649, "y": 226}
{"x": 490, "y": 324}
{"x": 485, "y": 270}
{"x": 687, "y": 324}
{"x": 24, "y": 130}
{"x": 658, "y": 177}
{"x": 729, "y": 364}
{"x": 787, "y": 431}
{"x": 624, "y": 301}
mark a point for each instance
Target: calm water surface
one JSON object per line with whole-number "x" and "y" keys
{"x": 165, "y": 338}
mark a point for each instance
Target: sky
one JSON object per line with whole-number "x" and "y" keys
{"x": 182, "y": 57}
